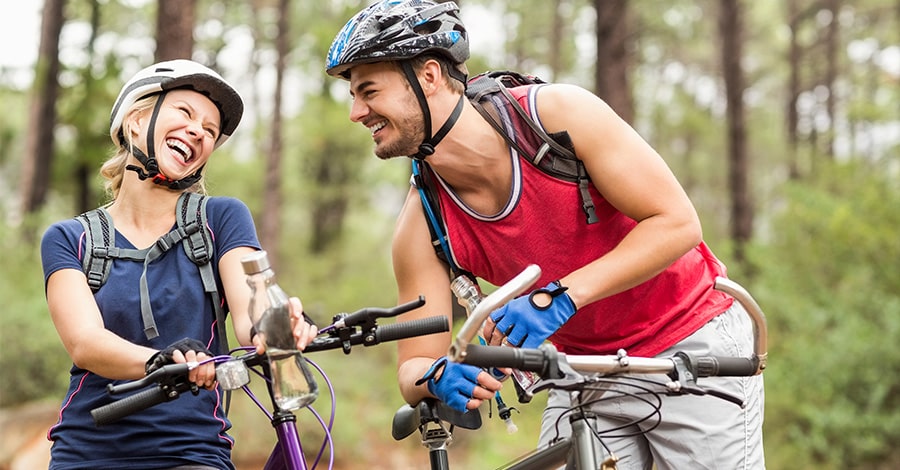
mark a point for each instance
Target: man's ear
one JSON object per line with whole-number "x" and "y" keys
{"x": 430, "y": 77}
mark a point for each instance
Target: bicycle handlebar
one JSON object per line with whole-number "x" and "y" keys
{"x": 723, "y": 365}
{"x": 171, "y": 380}
{"x": 760, "y": 330}
{"x": 545, "y": 361}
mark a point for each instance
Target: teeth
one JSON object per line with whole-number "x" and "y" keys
{"x": 180, "y": 147}
{"x": 375, "y": 128}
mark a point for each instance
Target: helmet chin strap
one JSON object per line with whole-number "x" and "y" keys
{"x": 427, "y": 146}
{"x": 149, "y": 161}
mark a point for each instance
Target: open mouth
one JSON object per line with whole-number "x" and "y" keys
{"x": 377, "y": 127}
{"x": 181, "y": 148}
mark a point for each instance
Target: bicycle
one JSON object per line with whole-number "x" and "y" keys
{"x": 232, "y": 372}
{"x": 576, "y": 373}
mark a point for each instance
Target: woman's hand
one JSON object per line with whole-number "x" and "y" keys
{"x": 302, "y": 328}
{"x": 203, "y": 375}
{"x": 186, "y": 350}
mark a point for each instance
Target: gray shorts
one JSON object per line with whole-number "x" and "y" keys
{"x": 696, "y": 432}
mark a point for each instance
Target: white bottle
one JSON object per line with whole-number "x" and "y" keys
{"x": 293, "y": 384}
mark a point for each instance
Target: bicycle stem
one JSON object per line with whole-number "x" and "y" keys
{"x": 493, "y": 301}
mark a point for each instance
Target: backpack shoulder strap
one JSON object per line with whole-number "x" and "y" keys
{"x": 100, "y": 249}
{"x": 489, "y": 93}
{"x": 422, "y": 181}
{"x": 98, "y": 231}
{"x": 199, "y": 246}
{"x": 190, "y": 216}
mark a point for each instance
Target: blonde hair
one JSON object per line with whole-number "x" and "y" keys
{"x": 113, "y": 169}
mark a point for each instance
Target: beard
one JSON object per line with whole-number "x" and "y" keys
{"x": 410, "y": 129}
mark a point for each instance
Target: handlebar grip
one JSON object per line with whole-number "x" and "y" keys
{"x": 533, "y": 360}
{"x": 712, "y": 366}
{"x": 119, "y": 409}
{"x": 409, "y": 329}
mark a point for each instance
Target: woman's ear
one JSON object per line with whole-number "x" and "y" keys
{"x": 132, "y": 126}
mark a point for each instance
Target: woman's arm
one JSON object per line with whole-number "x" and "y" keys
{"x": 80, "y": 326}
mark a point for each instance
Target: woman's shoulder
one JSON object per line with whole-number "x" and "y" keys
{"x": 231, "y": 221}
{"x": 64, "y": 228}
{"x": 225, "y": 203}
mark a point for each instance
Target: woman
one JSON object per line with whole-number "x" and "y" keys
{"x": 165, "y": 124}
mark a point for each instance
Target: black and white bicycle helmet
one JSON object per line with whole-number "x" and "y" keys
{"x": 398, "y": 30}
{"x": 159, "y": 79}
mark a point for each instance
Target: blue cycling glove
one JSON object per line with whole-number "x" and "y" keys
{"x": 526, "y": 324}
{"x": 451, "y": 382}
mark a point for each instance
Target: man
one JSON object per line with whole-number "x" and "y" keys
{"x": 640, "y": 278}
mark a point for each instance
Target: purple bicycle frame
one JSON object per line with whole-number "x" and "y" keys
{"x": 288, "y": 453}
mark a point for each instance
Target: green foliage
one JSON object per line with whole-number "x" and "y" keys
{"x": 32, "y": 359}
{"x": 830, "y": 284}
{"x": 825, "y": 256}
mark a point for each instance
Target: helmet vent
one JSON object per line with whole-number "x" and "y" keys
{"x": 427, "y": 28}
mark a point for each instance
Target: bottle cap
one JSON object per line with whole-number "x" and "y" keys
{"x": 255, "y": 262}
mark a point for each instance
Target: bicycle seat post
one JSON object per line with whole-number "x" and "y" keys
{"x": 436, "y": 437}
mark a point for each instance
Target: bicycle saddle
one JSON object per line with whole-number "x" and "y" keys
{"x": 408, "y": 419}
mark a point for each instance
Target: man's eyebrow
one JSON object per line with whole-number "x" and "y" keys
{"x": 361, "y": 86}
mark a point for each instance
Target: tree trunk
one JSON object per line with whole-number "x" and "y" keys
{"x": 831, "y": 70}
{"x": 794, "y": 64}
{"x": 175, "y": 29}
{"x": 556, "y": 39}
{"x": 611, "y": 73}
{"x": 731, "y": 31}
{"x": 42, "y": 112}
{"x": 271, "y": 215}
{"x": 84, "y": 180}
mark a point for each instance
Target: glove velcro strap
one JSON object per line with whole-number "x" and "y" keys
{"x": 434, "y": 371}
{"x": 554, "y": 290}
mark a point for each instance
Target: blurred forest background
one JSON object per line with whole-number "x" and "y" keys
{"x": 780, "y": 117}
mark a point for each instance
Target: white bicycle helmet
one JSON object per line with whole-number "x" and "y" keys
{"x": 159, "y": 79}
{"x": 179, "y": 73}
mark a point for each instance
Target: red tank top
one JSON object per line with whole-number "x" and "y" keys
{"x": 543, "y": 223}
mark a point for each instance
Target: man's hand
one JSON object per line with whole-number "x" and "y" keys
{"x": 461, "y": 386}
{"x": 528, "y": 321}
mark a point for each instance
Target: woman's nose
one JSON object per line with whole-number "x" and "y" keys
{"x": 195, "y": 129}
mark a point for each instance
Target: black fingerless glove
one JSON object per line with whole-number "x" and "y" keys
{"x": 164, "y": 357}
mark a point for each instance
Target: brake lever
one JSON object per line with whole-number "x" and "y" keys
{"x": 344, "y": 325}
{"x": 366, "y": 317}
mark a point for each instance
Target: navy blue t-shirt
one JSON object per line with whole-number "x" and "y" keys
{"x": 189, "y": 430}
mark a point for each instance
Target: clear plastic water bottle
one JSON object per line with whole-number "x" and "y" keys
{"x": 469, "y": 295}
{"x": 292, "y": 381}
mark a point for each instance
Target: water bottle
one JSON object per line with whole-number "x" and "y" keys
{"x": 293, "y": 384}
{"x": 469, "y": 295}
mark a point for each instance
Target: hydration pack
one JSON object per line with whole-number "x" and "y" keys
{"x": 191, "y": 231}
{"x": 553, "y": 153}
